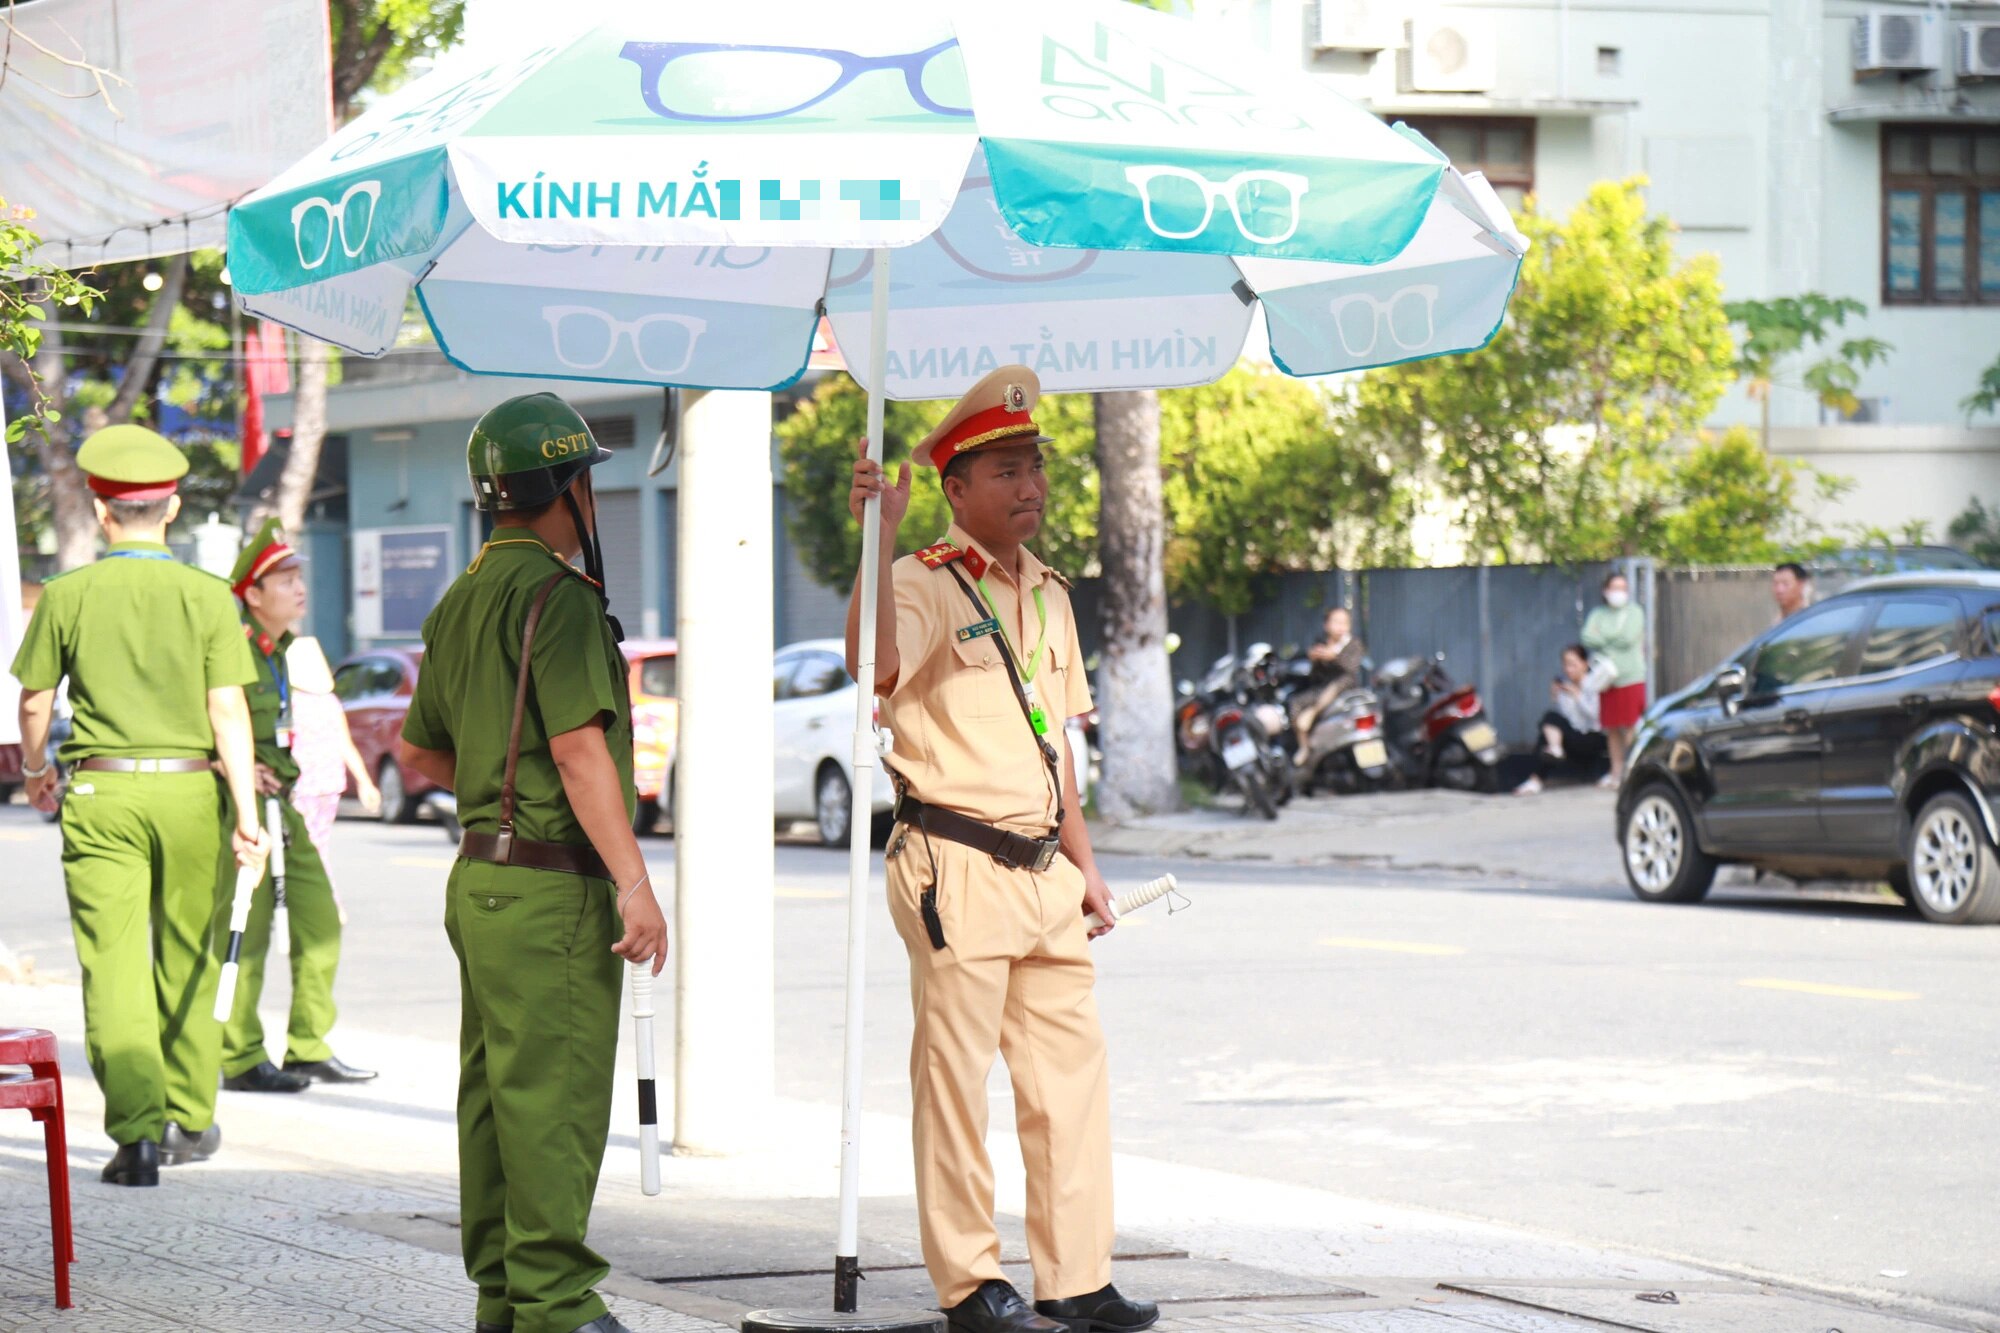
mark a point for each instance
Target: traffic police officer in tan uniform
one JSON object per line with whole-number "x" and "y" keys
{"x": 990, "y": 872}
{"x": 156, "y": 665}
{"x": 522, "y": 710}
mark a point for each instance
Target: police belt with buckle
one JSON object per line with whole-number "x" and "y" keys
{"x": 112, "y": 764}
{"x": 1016, "y": 851}
{"x": 502, "y": 847}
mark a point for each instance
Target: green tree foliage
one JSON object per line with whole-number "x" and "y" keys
{"x": 1777, "y": 330}
{"x": 1986, "y": 397}
{"x": 1256, "y": 481}
{"x": 1724, "y": 501}
{"x": 29, "y": 291}
{"x": 375, "y": 41}
{"x": 1976, "y": 531}
{"x": 1545, "y": 443}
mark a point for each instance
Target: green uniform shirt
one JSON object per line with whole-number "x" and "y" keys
{"x": 143, "y": 639}
{"x": 464, "y": 699}
{"x": 270, "y": 702}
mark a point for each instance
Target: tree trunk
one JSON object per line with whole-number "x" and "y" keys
{"x": 69, "y": 495}
{"x": 1135, "y": 686}
{"x": 146, "y": 352}
{"x": 295, "y": 483}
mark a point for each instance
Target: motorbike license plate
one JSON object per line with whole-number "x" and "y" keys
{"x": 1371, "y": 754}
{"x": 1479, "y": 736}
{"x": 1239, "y": 752}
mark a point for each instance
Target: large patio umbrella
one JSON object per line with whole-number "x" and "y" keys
{"x": 1101, "y": 192}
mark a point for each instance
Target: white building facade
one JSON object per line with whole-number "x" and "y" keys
{"x": 1831, "y": 146}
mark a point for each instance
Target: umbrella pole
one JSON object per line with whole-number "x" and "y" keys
{"x": 847, "y": 1251}
{"x": 847, "y": 1261}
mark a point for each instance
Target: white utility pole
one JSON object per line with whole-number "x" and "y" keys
{"x": 724, "y": 859}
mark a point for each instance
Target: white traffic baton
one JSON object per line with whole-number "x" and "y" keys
{"x": 1152, "y": 891}
{"x": 649, "y": 1105}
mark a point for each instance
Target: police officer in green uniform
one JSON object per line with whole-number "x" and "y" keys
{"x": 270, "y": 583}
{"x": 156, "y": 665}
{"x": 550, "y": 890}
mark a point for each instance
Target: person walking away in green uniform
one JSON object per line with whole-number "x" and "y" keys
{"x": 270, "y": 583}
{"x": 549, "y": 891}
{"x": 156, "y": 665}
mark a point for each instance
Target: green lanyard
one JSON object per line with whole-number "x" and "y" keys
{"x": 1042, "y": 641}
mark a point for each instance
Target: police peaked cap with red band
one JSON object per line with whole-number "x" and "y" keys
{"x": 994, "y": 413}
{"x": 267, "y": 553}
{"x": 129, "y": 462}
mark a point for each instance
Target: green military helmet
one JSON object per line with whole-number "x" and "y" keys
{"x": 527, "y": 451}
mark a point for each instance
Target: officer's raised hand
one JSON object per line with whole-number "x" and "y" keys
{"x": 870, "y": 479}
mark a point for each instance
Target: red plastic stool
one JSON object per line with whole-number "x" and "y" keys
{"x": 39, "y": 1093}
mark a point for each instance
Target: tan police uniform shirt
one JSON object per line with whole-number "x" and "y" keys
{"x": 960, "y": 739}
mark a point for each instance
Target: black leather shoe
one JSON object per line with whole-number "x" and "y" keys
{"x": 267, "y": 1077}
{"x": 178, "y": 1147}
{"x": 134, "y": 1164}
{"x": 481, "y": 1326}
{"x": 604, "y": 1323}
{"x": 331, "y": 1070}
{"x": 997, "y": 1308}
{"x": 1100, "y": 1312}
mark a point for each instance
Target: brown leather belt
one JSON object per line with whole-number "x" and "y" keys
{"x": 105, "y": 764}
{"x": 1016, "y": 851}
{"x": 512, "y": 851}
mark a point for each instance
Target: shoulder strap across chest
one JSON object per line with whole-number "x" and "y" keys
{"x": 506, "y": 833}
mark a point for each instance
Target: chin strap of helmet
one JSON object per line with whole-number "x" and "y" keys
{"x": 593, "y": 555}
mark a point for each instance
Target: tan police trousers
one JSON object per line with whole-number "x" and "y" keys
{"x": 1015, "y": 979}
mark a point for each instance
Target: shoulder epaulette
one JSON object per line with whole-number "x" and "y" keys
{"x": 937, "y": 557}
{"x": 1057, "y": 575}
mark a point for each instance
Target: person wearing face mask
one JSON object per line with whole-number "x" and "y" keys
{"x": 1617, "y": 631}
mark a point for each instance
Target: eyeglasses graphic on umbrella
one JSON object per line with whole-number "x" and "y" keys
{"x": 352, "y": 218}
{"x": 1180, "y": 202}
{"x": 1409, "y": 315}
{"x": 718, "y": 82}
{"x": 586, "y": 338}
{"x": 963, "y": 241}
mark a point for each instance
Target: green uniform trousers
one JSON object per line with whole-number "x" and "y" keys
{"x": 140, "y": 860}
{"x": 538, "y": 1037}
{"x": 314, "y": 921}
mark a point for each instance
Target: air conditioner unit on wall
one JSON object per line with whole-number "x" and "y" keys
{"x": 1453, "y": 51}
{"x": 1979, "y": 50}
{"x": 1350, "y": 25}
{"x": 1901, "y": 42}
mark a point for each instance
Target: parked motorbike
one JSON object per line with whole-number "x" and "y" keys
{"x": 1437, "y": 730}
{"x": 1345, "y": 752}
{"x": 1232, "y": 730}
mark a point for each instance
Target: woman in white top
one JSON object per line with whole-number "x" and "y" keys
{"x": 323, "y": 748}
{"x": 1571, "y": 738}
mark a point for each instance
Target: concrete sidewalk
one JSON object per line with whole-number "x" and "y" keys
{"x": 336, "y": 1210}
{"x": 1562, "y": 836}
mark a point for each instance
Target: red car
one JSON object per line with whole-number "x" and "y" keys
{"x": 375, "y": 689}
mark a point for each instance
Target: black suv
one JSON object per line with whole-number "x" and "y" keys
{"x": 1858, "y": 739}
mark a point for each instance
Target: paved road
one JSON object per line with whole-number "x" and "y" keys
{"x": 1794, "y": 1086}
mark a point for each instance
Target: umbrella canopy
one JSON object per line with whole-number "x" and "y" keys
{"x": 1093, "y": 189}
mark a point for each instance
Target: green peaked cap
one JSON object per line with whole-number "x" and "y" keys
{"x": 131, "y": 456}
{"x": 265, "y": 552}
{"x": 527, "y": 451}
